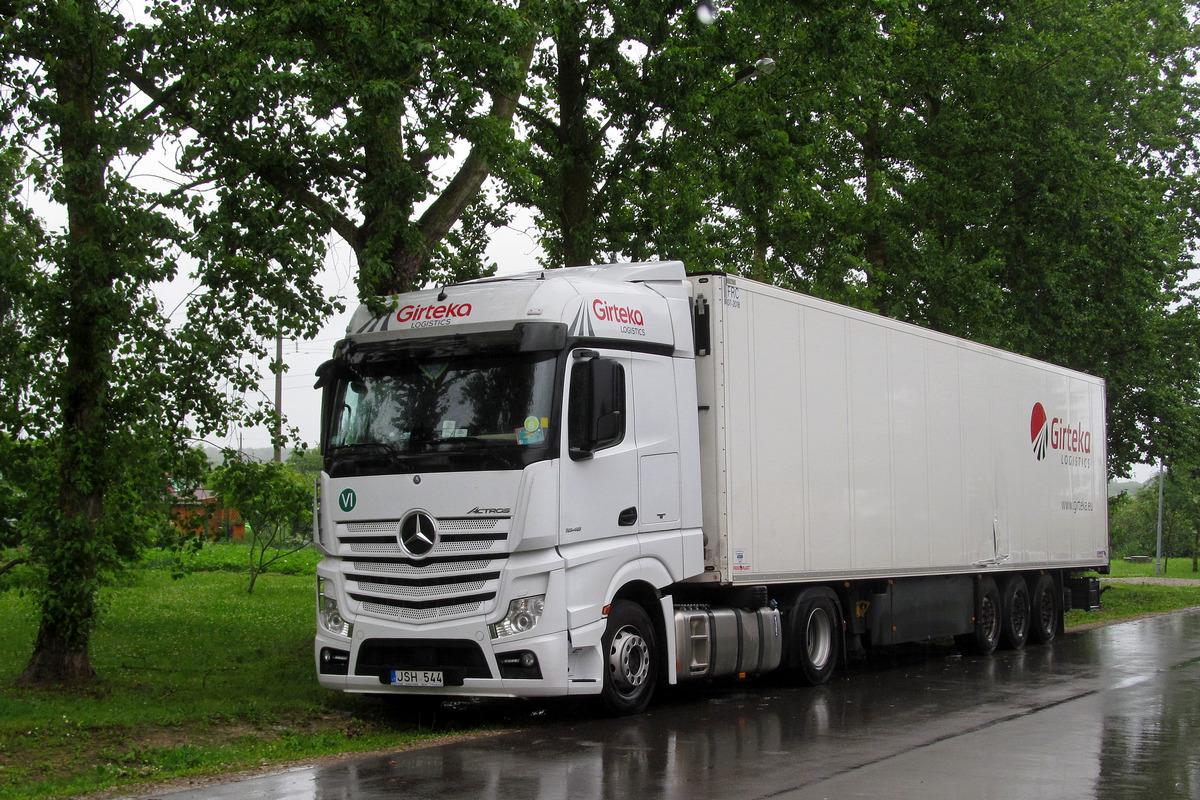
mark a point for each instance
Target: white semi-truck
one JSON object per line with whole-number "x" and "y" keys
{"x": 598, "y": 480}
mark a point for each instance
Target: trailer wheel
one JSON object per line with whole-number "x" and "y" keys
{"x": 1014, "y": 611}
{"x": 631, "y": 659}
{"x": 816, "y": 635}
{"x": 1044, "y": 605}
{"x": 986, "y": 636}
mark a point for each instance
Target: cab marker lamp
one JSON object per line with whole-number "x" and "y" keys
{"x": 523, "y": 615}
{"x": 330, "y": 615}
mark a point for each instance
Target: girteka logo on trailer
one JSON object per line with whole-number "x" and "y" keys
{"x": 1056, "y": 434}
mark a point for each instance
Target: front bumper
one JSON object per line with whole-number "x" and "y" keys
{"x": 547, "y": 661}
{"x": 463, "y": 651}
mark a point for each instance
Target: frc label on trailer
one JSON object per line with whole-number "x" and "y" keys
{"x": 1070, "y": 441}
{"x": 733, "y": 295}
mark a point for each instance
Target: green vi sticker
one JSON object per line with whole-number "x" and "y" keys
{"x": 347, "y": 500}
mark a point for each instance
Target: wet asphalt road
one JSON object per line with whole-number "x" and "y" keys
{"x": 1112, "y": 712}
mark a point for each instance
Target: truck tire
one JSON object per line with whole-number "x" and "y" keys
{"x": 817, "y": 636}
{"x": 631, "y": 659}
{"x": 1014, "y": 612}
{"x": 1044, "y": 610}
{"x": 984, "y": 639}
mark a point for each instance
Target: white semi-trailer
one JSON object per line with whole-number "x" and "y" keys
{"x": 591, "y": 481}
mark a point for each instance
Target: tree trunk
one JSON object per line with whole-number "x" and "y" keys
{"x": 574, "y": 143}
{"x": 407, "y": 263}
{"x": 874, "y": 240}
{"x": 57, "y": 662}
{"x": 72, "y": 553}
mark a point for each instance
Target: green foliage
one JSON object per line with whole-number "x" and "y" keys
{"x": 276, "y": 503}
{"x": 199, "y": 679}
{"x": 1133, "y": 519}
{"x": 229, "y": 557}
{"x": 1018, "y": 174}
{"x": 307, "y": 462}
{"x": 101, "y": 391}
{"x": 337, "y": 118}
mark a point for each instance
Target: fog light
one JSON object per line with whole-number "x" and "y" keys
{"x": 522, "y": 665}
{"x": 334, "y": 662}
{"x": 522, "y": 616}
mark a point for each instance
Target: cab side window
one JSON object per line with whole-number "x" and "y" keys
{"x": 596, "y": 413}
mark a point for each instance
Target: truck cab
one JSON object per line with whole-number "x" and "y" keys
{"x": 510, "y": 481}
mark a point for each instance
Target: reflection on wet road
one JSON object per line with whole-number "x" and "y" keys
{"x": 1107, "y": 713}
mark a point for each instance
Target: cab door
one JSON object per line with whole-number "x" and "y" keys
{"x": 599, "y": 488}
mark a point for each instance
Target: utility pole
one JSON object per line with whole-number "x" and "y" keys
{"x": 278, "y": 437}
{"x": 1158, "y": 555}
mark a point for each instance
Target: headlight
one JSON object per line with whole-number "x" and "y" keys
{"x": 329, "y": 615}
{"x": 522, "y": 616}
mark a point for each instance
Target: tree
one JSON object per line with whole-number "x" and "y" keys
{"x": 342, "y": 113}
{"x": 276, "y": 503}
{"x": 94, "y": 371}
{"x": 603, "y": 85}
{"x": 1133, "y": 524}
{"x": 1020, "y": 175}
{"x": 307, "y": 462}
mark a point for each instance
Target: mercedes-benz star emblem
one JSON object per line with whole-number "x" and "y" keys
{"x": 418, "y": 533}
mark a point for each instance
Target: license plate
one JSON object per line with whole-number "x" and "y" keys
{"x": 417, "y": 677}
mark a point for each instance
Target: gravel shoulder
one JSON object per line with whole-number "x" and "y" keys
{"x": 1153, "y": 580}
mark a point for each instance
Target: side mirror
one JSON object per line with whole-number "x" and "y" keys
{"x": 596, "y": 407}
{"x": 331, "y": 376}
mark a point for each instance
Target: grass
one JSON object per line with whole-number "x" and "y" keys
{"x": 1129, "y": 600}
{"x": 199, "y": 678}
{"x": 196, "y": 678}
{"x": 1174, "y": 568}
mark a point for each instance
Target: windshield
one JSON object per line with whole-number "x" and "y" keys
{"x": 457, "y": 412}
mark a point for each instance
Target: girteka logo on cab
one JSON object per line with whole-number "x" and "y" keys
{"x": 630, "y": 319}
{"x": 1058, "y": 434}
{"x": 432, "y": 316}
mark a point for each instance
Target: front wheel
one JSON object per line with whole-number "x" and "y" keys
{"x": 631, "y": 659}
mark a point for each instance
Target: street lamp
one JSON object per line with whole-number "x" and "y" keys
{"x": 764, "y": 66}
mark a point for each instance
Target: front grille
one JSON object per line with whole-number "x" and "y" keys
{"x": 470, "y": 523}
{"x": 456, "y": 535}
{"x": 457, "y": 659}
{"x": 422, "y": 614}
{"x": 444, "y": 587}
{"x": 459, "y": 576}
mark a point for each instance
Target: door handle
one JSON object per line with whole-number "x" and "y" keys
{"x": 628, "y": 517}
